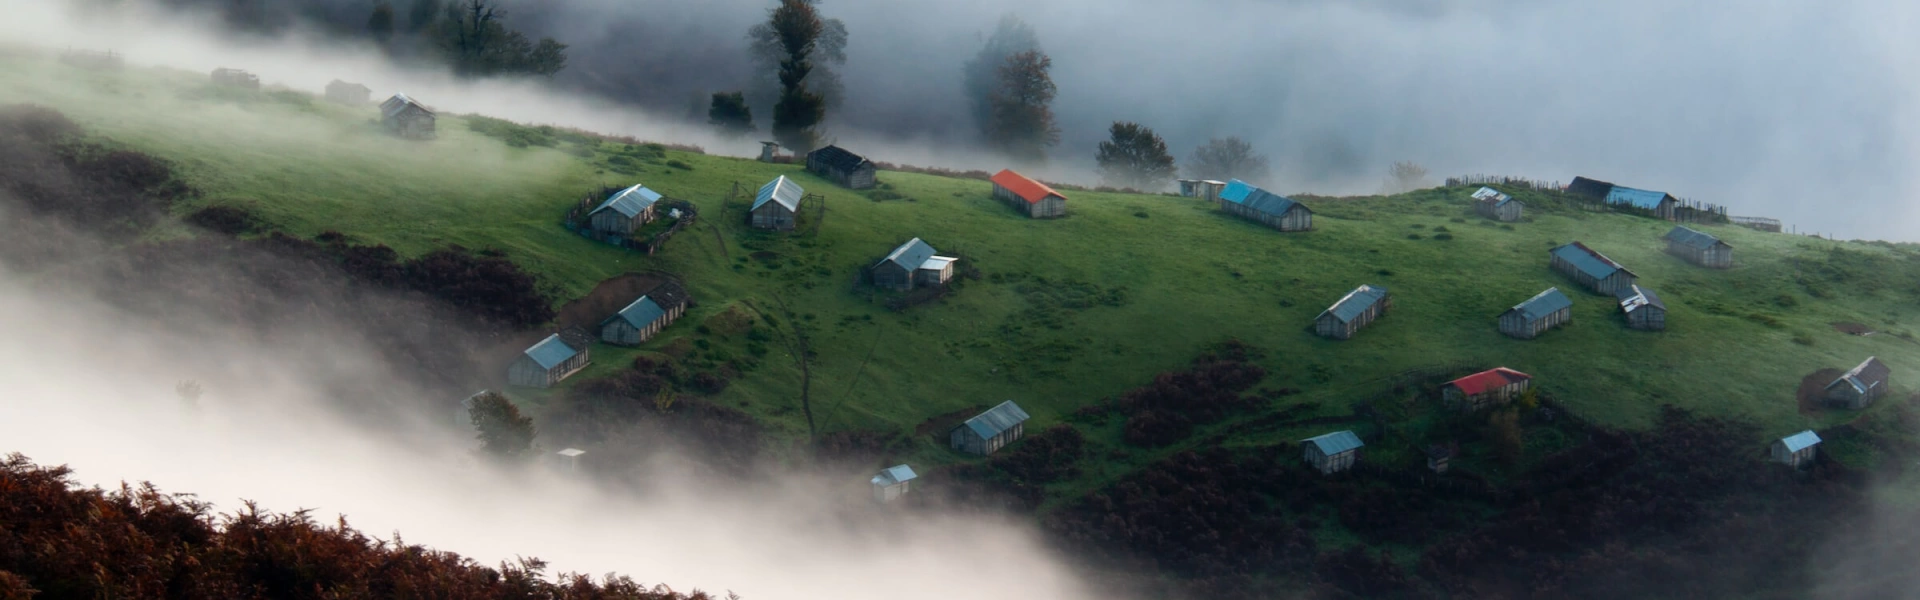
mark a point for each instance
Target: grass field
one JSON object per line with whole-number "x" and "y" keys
{"x": 1068, "y": 311}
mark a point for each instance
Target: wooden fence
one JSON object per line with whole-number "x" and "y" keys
{"x": 1535, "y": 184}
{"x": 1757, "y": 223}
{"x": 577, "y": 221}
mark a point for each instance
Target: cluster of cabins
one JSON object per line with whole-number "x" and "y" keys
{"x": 400, "y": 115}
{"x": 557, "y": 357}
{"x": 981, "y": 435}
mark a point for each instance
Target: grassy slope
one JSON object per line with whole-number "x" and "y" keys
{"x": 1191, "y": 275}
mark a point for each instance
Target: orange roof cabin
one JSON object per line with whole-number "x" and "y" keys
{"x": 1492, "y": 387}
{"x": 1028, "y": 196}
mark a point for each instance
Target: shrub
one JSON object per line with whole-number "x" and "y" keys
{"x": 679, "y": 164}
{"x": 225, "y": 220}
{"x": 1415, "y": 236}
{"x": 1443, "y": 236}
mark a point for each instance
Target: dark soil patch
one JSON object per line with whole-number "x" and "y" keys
{"x": 606, "y": 299}
{"x": 1811, "y": 388}
{"x": 1851, "y": 328}
{"x": 938, "y": 427}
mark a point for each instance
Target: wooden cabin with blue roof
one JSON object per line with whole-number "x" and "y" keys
{"x": 1544, "y": 311}
{"x": 624, "y": 212}
{"x": 1643, "y": 308}
{"x": 1661, "y": 204}
{"x": 1333, "y": 452}
{"x": 1352, "y": 312}
{"x": 893, "y": 482}
{"x": 1797, "y": 449}
{"x": 645, "y": 316}
{"x": 1276, "y": 211}
{"x": 911, "y": 265}
{"x": 1496, "y": 205}
{"x": 1590, "y": 268}
{"x": 546, "y": 363}
{"x": 990, "y": 431}
{"x": 777, "y": 206}
{"x": 1698, "y": 247}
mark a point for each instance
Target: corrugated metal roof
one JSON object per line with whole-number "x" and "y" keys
{"x": 1027, "y": 189}
{"x": 550, "y": 352}
{"x": 909, "y": 256}
{"x": 629, "y": 202}
{"x": 894, "y": 474}
{"x": 1243, "y": 193}
{"x": 571, "y": 452}
{"x": 1543, "y": 304}
{"x": 1588, "y": 260}
{"x": 1591, "y": 188}
{"x": 1479, "y": 383}
{"x": 781, "y": 190}
{"x": 1355, "y": 302}
{"x": 1486, "y": 193}
{"x": 938, "y": 262}
{"x": 1647, "y": 199}
{"x": 997, "y": 419}
{"x": 837, "y": 158}
{"x": 1869, "y": 374}
{"x": 1689, "y": 236}
{"x": 1801, "y": 441}
{"x": 400, "y": 102}
{"x": 641, "y": 312}
{"x": 1335, "y": 443}
{"x": 1633, "y": 297}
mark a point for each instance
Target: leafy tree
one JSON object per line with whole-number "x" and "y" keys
{"x": 1135, "y": 157}
{"x": 767, "y": 47}
{"x": 730, "y": 113}
{"x": 797, "y": 29}
{"x": 1227, "y": 158}
{"x": 478, "y": 44}
{"x": 1405, "y": 176}
{"x": 380, "y": 23}
{"x": 502, "y": 430}
{"x": 421, "y": 15}
{"x": 982, "y": 74}
{"x": 1023, "y": 125}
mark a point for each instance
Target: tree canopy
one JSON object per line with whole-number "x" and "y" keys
{"x": 797, "y": 29}
{"x": 477, "y": 43}
{"x": 730, "y": 114}
{"x": 1023, "y": 125}
{"x": 1228, "y": 158}
{"x": 982, "y": 73}
{"x": 502, "y": 430}
{"x": 1135, "y": 157}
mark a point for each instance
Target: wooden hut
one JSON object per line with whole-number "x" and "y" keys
{"x": 624, "y": 212}
{"x": 893, "y": 482}
{"x": 1698, "y": 247}
{"x": 351, "y": 94}
{"x": 235, "y": 78}
{"x": 1204, "y": 189}
{"x": 1030, "y": 197}
{"x": 404, "y": 117}
{"x": 1591, "y": 189}
{"x": 1492, "y": 204}
{"x": 1590, "y": 268}
{"x": 1438, "y": 456}
{"x": 546, "y": 363}
{"x": 1661, "y": 204}
{"x": 990, "y": 431}
{"x": 1546, "y": 310}
{"x": 1797, "y": 449}
{"x": 777, "y": 206}
{"x": 838, "y": 165}
{"x": 1333, "y": 452}
{"x": 1493, "y": 387}
{"x": 1355, "y": 310}
{"x": 1643, "y": 308}
{"x": 1273, "y": 210}
{"x": 1859, "y": 387}
{"x": 911, "y": 265}
{"x": 769, "y": 152}
{"x": 568, "y": 459}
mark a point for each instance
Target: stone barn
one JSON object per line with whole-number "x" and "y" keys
{"x": 911, "y": 265}
{"x": 1493, "y": 387}
{"x": 1355, "y": 310}
{"x": 351, "y": 94}
{"x": 1699, "y": 247}
{"x": 1333, "y": 452}
{"x": 235, "y": 78}
{"x": 893, "y": 482}
{"x": 777, "y": 206}
{"x": 546, "y": 363}
{"x": 1859, "y": 387}
{"x": 1273, "y": 210}
{"x": 624, "y": 212}
{"x": 1547, "y": 310}
{"x": 1030, "y": 197}
{"x": 836, "y": 164}
{"x": 404, "y": 117}
{"x": 1643, "y": 308}
{"x": 1492, "y": 204}
{"x": 641, "y": 320}
{"x": 1797, "y": 449}
{"x": 1590, "y": 268}
{"x": 990, "y": 431}
{"x": 1661, "y": 204}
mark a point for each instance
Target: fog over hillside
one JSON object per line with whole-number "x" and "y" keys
{"x": 1787, "y": 109}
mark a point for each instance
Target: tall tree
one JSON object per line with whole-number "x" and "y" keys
{"x": 729, "y": 112}
{"x": 768, "y": 49}
{"x": 502, "y": 430}
{"x": 1228, "y": 158}
{"x": 477, "y": 42}
{"x": 982, "y": 74}
{"x": 1023, "y": 125}
{"x": 1135, "y": 157}
{"x": 380, "y": 23}
{"x": 797, "y": 27}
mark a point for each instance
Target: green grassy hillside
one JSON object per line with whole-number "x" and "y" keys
{"x": 1067, "y": 311}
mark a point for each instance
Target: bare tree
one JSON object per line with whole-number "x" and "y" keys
{"x": 1405, "y": 176}
{"x": 1228, "y": 158}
